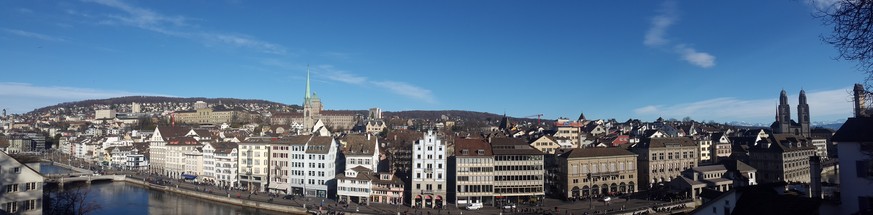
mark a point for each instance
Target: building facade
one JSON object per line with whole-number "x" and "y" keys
{"x": 21, "y": 187}
{"x": 429, "y": 172}
{"x": 519, "y": 172}
{"x": 474, "y": 172}
{"x": 590, "y": 172}
{"x": 662, "y": 159}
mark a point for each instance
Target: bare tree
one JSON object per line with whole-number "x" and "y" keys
{"x": 72, "y": 201}
{"x": 852, "y": 35}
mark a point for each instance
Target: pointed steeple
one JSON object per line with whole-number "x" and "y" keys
{"x": 307, "y": 84}
{"x": 783, "y": 97}
{"x": 802, "y": 97}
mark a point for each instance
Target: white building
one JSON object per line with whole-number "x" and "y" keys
{"x": 855, "y": 142}
{"x": 317, "y": 177}
{"x": 254, "y": 164}
{"x": 178, "y": 152}
{"x": 362, "y": 158}
{"x": 158, "y": 149}
{"x": 226, "y": 164}
{"x": 21, "y": 187}
{"x": 429, "y": 172}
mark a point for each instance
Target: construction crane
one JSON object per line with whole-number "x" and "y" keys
{"x": 539, "y": 116}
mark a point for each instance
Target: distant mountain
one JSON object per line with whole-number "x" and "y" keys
{"x": 158, "y": 99}
{"x": 835, "y": 124}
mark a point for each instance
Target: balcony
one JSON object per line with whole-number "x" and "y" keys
{"x": 428, "y": 170}
{"x": 426, "y": 192}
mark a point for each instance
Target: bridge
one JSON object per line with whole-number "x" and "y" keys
{"x": 62, "y": 179}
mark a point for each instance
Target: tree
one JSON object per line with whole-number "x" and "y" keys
{"x": 73, "y": 201}
{"x": 852, "y": 34}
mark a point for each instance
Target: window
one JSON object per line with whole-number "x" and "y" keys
{"x": 12, "y": 188}
{"x": 29, "y": 204}
{"x": 16, "y": 170}
{"x": 11, "y": 207}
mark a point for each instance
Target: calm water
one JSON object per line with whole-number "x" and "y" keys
{"x": 128, "y": 199}
{"x": 47, "y": 168}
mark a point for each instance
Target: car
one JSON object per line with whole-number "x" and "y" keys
{"x": 606, "y": 198}
{"x": 475, "y": 206}
{"x": 288, "y": 197}
{"x": 509, "y": 206}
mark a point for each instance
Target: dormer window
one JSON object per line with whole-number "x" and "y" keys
{"x": 464, "y": 152}
{"x": 480, "y": 152}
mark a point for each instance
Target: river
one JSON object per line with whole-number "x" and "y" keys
{"x": 130, "y": 199}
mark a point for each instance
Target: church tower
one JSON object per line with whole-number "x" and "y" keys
{"x": 307, "y": 106}
{"x": 783, "y": 114}
{"x": 803, "y": 115}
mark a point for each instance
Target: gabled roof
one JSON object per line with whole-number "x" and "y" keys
{"x": 512, "y": 146}
{"x": 472, "y": 146}
{"x": 855, "y": 130}
{"x": 319, "y": 145}
{"x": 597, "y": 152}
{"x": 168, "y": 132}
{"x": 358, "y": 144}
{"x": 182, "y": 141}
{"x": 224, "y": 147}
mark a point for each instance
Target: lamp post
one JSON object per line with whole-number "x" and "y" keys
{"x": 590, "y": 191}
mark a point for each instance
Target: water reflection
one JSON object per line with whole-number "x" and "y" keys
{"x": 129, "y": 199}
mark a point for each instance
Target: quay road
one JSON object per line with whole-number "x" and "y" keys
{"x": 328, "y": 206}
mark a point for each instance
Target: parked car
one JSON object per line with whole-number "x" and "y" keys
{"x": 288, "y": 197}
{"x": 606, "y": 198}
{"x": 509, "y": 206}
{"x": 474, "y": 206}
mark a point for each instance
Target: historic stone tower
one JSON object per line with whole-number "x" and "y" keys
{"x": 803, "y": 115}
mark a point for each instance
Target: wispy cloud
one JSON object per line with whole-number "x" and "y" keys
{"x": 701, "y": 59}
{"x": 827, "y": 104}
{"x": 656, "y": 37}
{"x": 22, "y": 97}
{"x": 178, "y": 26}
{"x": 331, "y": 73}
{"x": 823, "y": 5}
{"x": 408, "y": 90}
{"x": 28, "y": 34}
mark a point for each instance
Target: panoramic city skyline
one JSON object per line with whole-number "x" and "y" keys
{"x": 671, "y": 59}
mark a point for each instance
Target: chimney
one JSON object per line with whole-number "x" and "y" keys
{"x": 860, "y": 99}
{"x": 368, "y": 136}
{"x": 696, "y": 175}
{"x": 815, "y": 191}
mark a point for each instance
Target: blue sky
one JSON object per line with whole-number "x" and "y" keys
{"x": 721, "y": 61}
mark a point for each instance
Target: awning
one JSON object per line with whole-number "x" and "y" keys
{"x": 189, "y": 177}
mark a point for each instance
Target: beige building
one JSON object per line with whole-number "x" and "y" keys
{"x": 178, "y": 155}
{"x": 591, "y": 172}
{"x": 216, "y": 115}
{"x": 254, "y": 164}
{"x": 546, "y": 144}
{"x": 662, "y": 159}
{"x": 782, "y": 157}
{"x": 474, "y": 172}
{"x": 519, "y": 173}
{"x": 570, "y": 130}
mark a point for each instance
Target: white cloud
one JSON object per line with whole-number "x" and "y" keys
{"x": 823, "y": 5}
{"x": 23, "y": 97}
{"x": 824, "y": 105}
{"x": 407, "y": 90}
{"x": 701, "y": 59}
{"x": 339, "y": 75}
{"x": 178, "y": 26}
{"x": 33, "y": 35}
{"x": 656, "y": 37}
{"x": 657, "y": 32}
